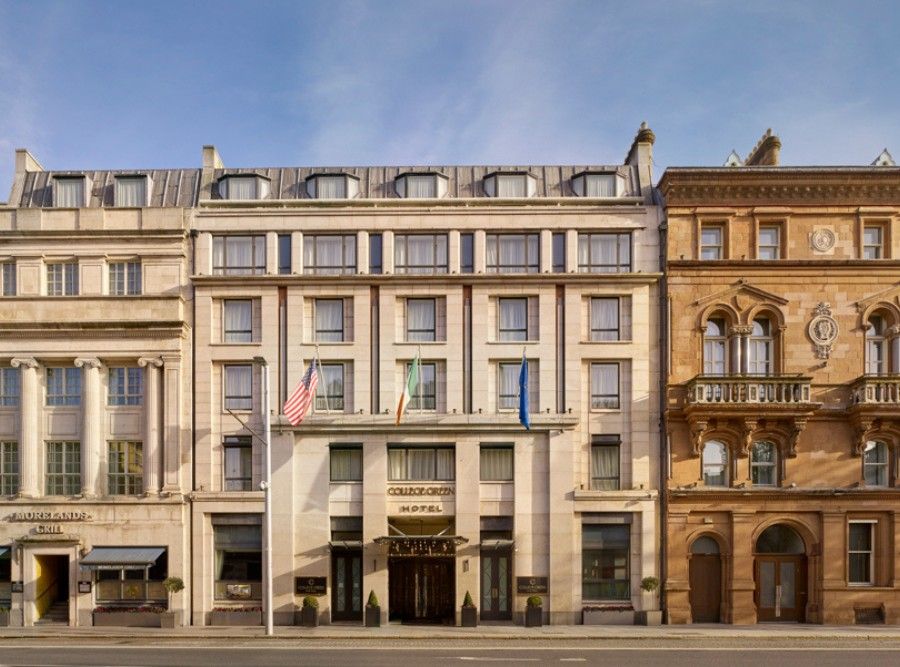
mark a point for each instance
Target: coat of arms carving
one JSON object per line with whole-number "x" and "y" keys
{"x": 823, "y": 330}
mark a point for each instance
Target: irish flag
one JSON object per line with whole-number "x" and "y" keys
{"x": 409, "y": 389}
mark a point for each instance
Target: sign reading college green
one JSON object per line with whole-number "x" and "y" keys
{"x": 531, "y": 585}
{"x": 310, "y": 585}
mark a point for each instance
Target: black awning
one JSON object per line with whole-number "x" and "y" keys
{"x": 497, "y": 544}
{"x": 134, "y": 557}
{"x": 345, "y": 544}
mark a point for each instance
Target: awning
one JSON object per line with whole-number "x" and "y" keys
{"x": 4, "y": 553}
{"x": 346, "y": 544}
{"x": 496, "y": 544}
{"x": 456, "y": 539}
{"x": 105, "y": 557}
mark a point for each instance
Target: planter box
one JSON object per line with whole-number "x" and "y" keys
{"x": 648, "y": 618}
{"x": 168, "y": 620}
{"x": 373, "y": 617}
{"x": 309, "y": 617}
{"x": 235, "y": 618}
{"x": 608, "y": 617}
{"x": 4, "y": 619}
{"x": 127, "y": 619}
{"x": 534, "y": 617}
{"x": 469, "y": 617}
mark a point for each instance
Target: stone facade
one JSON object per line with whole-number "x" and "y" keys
{"x": 783, "y": 413}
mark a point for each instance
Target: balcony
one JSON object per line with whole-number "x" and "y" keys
{"x": 876, "y": 390}
{"x": 740, "y": 390}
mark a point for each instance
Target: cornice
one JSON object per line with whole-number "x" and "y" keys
{"x": 440, "y": 279}
{"x": 750, "y": 495}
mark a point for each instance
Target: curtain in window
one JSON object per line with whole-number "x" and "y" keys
{"x": 238, "y": 386}
{"x": 496, "y": 464}
{"x": 491, "y": 257}
{"x": 603, "y": 249}
{"x": 605, "y": 385}
{"x": 445, "y": 463}
{"x": 331, "y": 187}
{"x": 116, "y": 383}
{"x": 238, "y": 318}
{"x": 605, "y": 467}
{"x": 328, "y": 251}
{"x": 219, "y": 251}
{"x": 70, "y": 192}
{"x": 604, "y": 319}
{"x": 237, "y": 463}
{"x": 510, "y": 186}
{"x": 509, "y": 385}
{"x": 330, "y": 320}
{"x": 397, "y": 464}
{"x": 420, "y": 250}
{"x": 421, "y": 464}
{"x": 584, "y": 249}
{"x": 512, "y": 251}
{"x": 239, "y": 252}
{"x": 600, "y": 185}
{"x": 420, "y": 321}
{"x": 421, "y": 186}
{"x": 513, "y": 319}
{"x": 340, "y": 464}
{"x": 242, "y": 187}
{"x": 131, "y": 192}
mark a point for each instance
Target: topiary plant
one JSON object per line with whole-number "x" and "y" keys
{"x": 311, "y": 601}
{"x": 373, "y": 600}
{"x": 649, "y": 584}
{"x": 467, "y": 601}
{"x": 534, "y": 601}
{"x": 173, "y": 585}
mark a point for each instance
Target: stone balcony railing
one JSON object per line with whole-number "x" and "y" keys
{"x": 743, "y": 389}
{"x": 877, "y": 390}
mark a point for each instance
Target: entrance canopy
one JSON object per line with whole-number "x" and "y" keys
{"x": 421, "y": 545}
{"x": 4, "y": 553}
{"x": 122, "y": 557}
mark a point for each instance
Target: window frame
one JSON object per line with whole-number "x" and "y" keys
{"x": 756, "y": 465}
{"x": 765, "y": 342}
{"x": 467, "y": 252}
{"x": 323, "y": 381}
{"x": 285, "y": 254}
{"x": 594, "y": 395}
{"x": 607, "y": 441}
{"x": 243, "y": 444}
{"x": 725, "y": 465}
{"x": 354, "y": 451}
{"x": 320, "y": 334}
{"x": 8, "y": 277}
{"x": 81, "y": 180}
{"x": 775, "y": 249}
{"x": 66, "y": 482}
{"x": 132, "y": 381}
{"x": 425, "y": 397}
{"x": 130, "y": 280}
{"x": 132, "y": 178}
{"x": 876, "y": 342}
{"x": 435, "y": 268}
{"x": 504, "y": 447}
{"x": 10, "y": 468}
{"x": 883, "y": 466}
{"x": 878, "y": 248}
{"x": 226, "y": 332}
{"x": 10, "y": 387}
{"x": 434, "y": 475}
{"x": 66, "y": 283}
{"x": 500, "y": 328}
{"x": 238, "y": 402}
{"x": 594, "y": 264}
{"x": 871, "y": 524}
{"x": 65, "y": 398}
{"x": 718, "y": 247}
{"x": 433, "y": 330}
{"x": 594, "y": 334}
{"x": 621, "y": 585}
{"x": 125, "y": 483}
{"x": 532, "y": 242}
{"x": 721, "y": 342}
{"x": 257, "y": 266}
{"x": 376, "y": 253}
{"x": 314, "y": 268}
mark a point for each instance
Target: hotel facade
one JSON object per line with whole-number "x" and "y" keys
{"x": 468, "y": 269}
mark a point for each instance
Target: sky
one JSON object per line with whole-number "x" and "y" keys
{"x": 141, "y": 85}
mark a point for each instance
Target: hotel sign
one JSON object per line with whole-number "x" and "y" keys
{"x": 420, "y": 490}
{"x": 310, "y": 585}
{"x": 421, "y": 499}
{"x": 531, "y": 585}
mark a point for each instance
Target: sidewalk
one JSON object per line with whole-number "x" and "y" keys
{"x": 495, "y": 632}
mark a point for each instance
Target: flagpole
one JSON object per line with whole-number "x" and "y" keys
{"x": 267, "y": 488}
{"x": 419, "y": 373}
{"x": 318, "y": 369}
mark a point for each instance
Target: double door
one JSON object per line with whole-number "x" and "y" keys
{"x": 781, "y": 588}
{"x": 346, "y": 588}
{"x": 496, "y": 585}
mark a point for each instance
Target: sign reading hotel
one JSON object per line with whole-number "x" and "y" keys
{"x": 421, "y": 499}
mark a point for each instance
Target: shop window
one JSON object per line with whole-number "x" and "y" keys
{"x": 604, "y": 558}
{"x": 126, "y": 468}
{"x": 238, "y": 454}
{"x": 126, "y": 385}
{"x": 346, "y": 463}
{"x": 496, "y": 463}
{"x": 128, "y": 586}
{"x": 414, "y": 464}
{"x": 605, "y": 462}
{"x": 238, "y": 559}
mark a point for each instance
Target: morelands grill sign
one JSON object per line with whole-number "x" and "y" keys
{"x": 41, "y": 518}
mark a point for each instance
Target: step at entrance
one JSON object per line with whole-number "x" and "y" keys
{"x": 57, "y": 614}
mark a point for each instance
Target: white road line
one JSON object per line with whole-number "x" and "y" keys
{"x": 301, "y": 647}
{"x": 472, "y": 659}
{"x": 573, "y": 659}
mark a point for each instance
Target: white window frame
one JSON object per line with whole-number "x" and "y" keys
{"x": 772, "y": 250}
{"x": 871, "y": 523}
{"x": 874, "y": 249}
{"x": 885, "y": 466}
{"x": 132, "y": 381}
{"x": 81, "y": 188}
{"x": 119, "y": 195}
{"x": 62, "y": 278}
{"x": 125, "y": 278}
{"x": 718, "y": 247}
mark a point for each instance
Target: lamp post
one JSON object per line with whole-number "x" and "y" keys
{"x": 266, "y": 486}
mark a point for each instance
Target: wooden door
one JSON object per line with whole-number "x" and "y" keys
{"x": 780, "y": 588}
{"x": 496, "y": 585}
{"x": 346, "y": 585}
{"x": 706, "y": 588}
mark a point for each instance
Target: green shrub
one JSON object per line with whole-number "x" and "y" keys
{"x": 311, "y": 601}
{"x": 467, "y": 601}
{"x": 373, "y": 600}
{"x": 649, "y": 584}
{"x": 173, "y": 584}
{"x": 535, "y": 601}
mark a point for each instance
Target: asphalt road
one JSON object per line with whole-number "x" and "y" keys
{"x": 389, "y": 654}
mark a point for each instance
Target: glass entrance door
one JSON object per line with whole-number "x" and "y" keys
{"x": 780, "y": 588}
{"x": 496, "y": 578}
{"x": 346, "y": 585}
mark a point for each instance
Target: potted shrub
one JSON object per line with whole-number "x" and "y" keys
{"x": 4, "y": 617}
{"x": 469, "y": 612}
{"x": 172, "y": 585}
{"x": 145, "y": 616}
{"x": 309, "y": 613}
{"x": 650, "y": 616}
{"x": 534, "y": 612}
{"x": 373, "y": 611}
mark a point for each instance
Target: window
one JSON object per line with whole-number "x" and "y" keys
{"x": 243, "y": 187}
{"x": 508, "y": 385}
{"x": 466, "y": 253}
{"x": 876, "y": 348}
{"x": 425, "y": 397}
{"x": 769, "y": 242}
{"x": 604, "y": 562}
{"x": 238, "y": 463}
{"x": 124, "y": 278}
{"x": 126, "y": 385}
{"x": 330, "y": 320}
{"x": 559, "y": 252}
{"x": 873, "y": 242}
{"x": 239, "y": 387}
{"x": 605, "y": 319}
{"x": 715, "y": 360}
{"x": 715, "y": 464}
{"x": 711, "y": 242}
{"x": 9, "y": 468}
{"x": 604, "y": 253}
{"x": 496, "y": 463}
{"x": 512, "y": 253}
{"x": 10, "y": 387}
{"x": 8, "y": 277}
{"x": 346, "y": 463}
{"x": 239, "y": 255}
{"x": 599, "y": 185}
{"x": 763, "y": 464}
{"x": 420, "y": 253}
{"x": 513, "y": 319}
{"x": 605, "y": 462}
{"x": 237, "y": 325}
{"x": 133, "y": 585}
{"x": 332, "y": 186}
{"x": 68, "y": 192}
{"x": 420, "y": 320}
{"x": 417, "y": 186}
{"x": 376, "y": 266}
{"x": 126, "y": 468}
{"x": 329, "y": 255}
{"x": 238, "y": 558}
{"x": 63, "y": 468}
{"x": 131, "y": 191}
{"x": 761, "y": 345}
{"x": 507, "y": 185}
{"x": 284, "y": 254}
{"x": 861, "y": 554}
{"x": 63, "y": 386}
{"x": 604, "y": 386}
{"x": 330, "y": 394}
{"x": 62, "y": 279}
{"x": 875, "y": 464}
{"x": 415, "y": 464}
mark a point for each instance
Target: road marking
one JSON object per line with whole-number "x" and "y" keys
{"x": 573, "y": 659}
{"x": 308, "y": 647}
{"x": 465, "y": 657}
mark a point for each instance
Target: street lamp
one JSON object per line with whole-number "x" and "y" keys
{"x": 266, "y": 486}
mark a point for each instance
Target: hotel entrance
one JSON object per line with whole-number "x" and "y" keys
{"x": 780, "y": 573}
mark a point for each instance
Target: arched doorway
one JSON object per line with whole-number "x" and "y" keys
{"x": 705, "y": 580}
{"x": 780, "y": 574}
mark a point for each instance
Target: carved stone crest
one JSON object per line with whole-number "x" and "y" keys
{"x": 822, "y": 239}
{"x": 823, "y": 330}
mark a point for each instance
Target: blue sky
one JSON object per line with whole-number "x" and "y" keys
{"x": 145, "y": 84}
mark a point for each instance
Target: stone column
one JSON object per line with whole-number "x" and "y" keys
{"x": 478, "y": 249}
{"x": 271, "y": 253}
{"x": 894, "y": 345}
{"x": 151, "y": 423}
{"x": 546, "y": 250}
{"x": 297, "y": 253}
{"x": 362, "y": 252}
{"x": 387, "y": 252}
{"x": 172, "y": 415}
{"x": 453, "y": 251}
{"x": 571, "y": 250}
{"x": 29, "y": 427}
{"x": 739, "y": 581}
{"x": 91, "y": 427}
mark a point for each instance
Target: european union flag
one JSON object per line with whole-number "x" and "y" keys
{"x": 524, "y": 416}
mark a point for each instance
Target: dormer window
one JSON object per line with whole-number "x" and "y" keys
{"x": 509, "y": 185}
{"x": 69, "y": 191}
{"x": 332, "y": 186}
{"x": 596, "y": 184}
{"x": 240, "y": 187}
{"x": 421, "y": 186}
{"x": 131, "y": 191}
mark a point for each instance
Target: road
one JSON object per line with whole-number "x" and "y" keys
{"x": 268, "y": 653}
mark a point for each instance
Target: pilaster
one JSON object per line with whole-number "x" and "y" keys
{"x": 29, "y": 427}
{"x": 92, "y": 455}
{"x": 172, "y": 424}
{"x": 151, "y": 423}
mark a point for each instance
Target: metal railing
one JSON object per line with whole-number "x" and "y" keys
{"x": 772, "y": 390}
{"x": 877, "y": 389}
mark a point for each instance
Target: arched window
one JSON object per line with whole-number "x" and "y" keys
{"x": 760, "y": 353}
{"x": 715, "y": 464}
{"x": 715, "y": 346}
{"x": 876, "y": 347}
{"x": 780, "y": 539}
{"x": 764, "y": 464}
{"x": 705, "y": 545}
{"x": 876, "y": 464}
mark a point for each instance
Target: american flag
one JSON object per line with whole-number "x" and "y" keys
{"x": 297, "y": 404}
